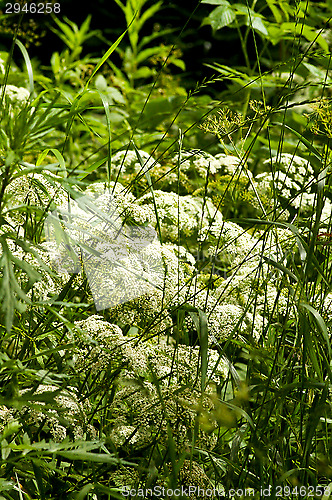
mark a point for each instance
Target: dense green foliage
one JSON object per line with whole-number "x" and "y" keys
{"x": 202, "y": 358}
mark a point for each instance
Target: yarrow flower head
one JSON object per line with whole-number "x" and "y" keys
{"x": 15, "y": 95}
{"x": 110, "y": 236}
{"x": 136, "y": 406}
{"x": 127, "y": 162}
{"x": 195, "y": 162}
{"x": 39, "y": 190}
{"x": 295, "y": 167}
{"x": 229, "y": 164}
{"x": 64, "y": 415}
{"x": 181, "y": 215}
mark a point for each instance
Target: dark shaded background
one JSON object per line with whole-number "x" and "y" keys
{"x": 197, "y": 43}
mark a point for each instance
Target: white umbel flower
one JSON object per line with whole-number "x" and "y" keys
{"x": 15, "y": 95}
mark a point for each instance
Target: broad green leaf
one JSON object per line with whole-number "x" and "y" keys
{"x": 101, "y": 83}
{"x": 252, "y": 18}
{"x": 146, "y": 53}
{"x": 142, "y": 72}
{"x": 220, "y": 17}
{"x": 257, "y": 24}
{"x": 179, "y": 64}
{"x": 275, "y": 11}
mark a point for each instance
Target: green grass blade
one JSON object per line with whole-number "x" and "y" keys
{"x": 107, "y": 54}
{"x": 27, "y": 63}
{"x": 148, "y": 178}
{"x": 201, "y": 324}
{"x": 321, "y": 325}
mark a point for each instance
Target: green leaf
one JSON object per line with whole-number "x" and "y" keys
{"x": 86, "y": 456}
{"x": 308, "y": 32}
{"x": 282, "y": 268}
{"x": 143, "y": 72}
{"x": 93, "y": 167}
{"x": 101, "y": 83}
{"x": 39, "y": 479}
{"x": 107, "y": 55}
{"x": 311, "y": 348}
{"x": 220, "y": 17}
{"x": 27, "y": 63}
{"x": 321, "y": 325}
{"x": 275, "y": 11}
{"x": 147, "y": 14}
{"x": 84, "y": 491}
{"x": 316, "y": 160}
{"x": 108, "y": 121}
{"x": 148, "y": 38}
{"x": 257, "y": 24}
{"x": 146, "y": 53}
{"x": 179, "y": 63}
{"x": 253, "y": 20}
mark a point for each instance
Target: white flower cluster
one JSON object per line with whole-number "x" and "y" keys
{"x": 127, "y": 162}
{"x": 44, "y": 260}
{"x": 107, "y": 232}
{"x": 139, "y": 409}
{"x": 278, "y": 181}
{"x": 149, "y": 312}
{"x": 226, "y": 315}
{"x": 34, "y": 189}
{"x": 290, "y": 186}
{"x": 230, "y": 243}
{"x": 15, "y": 103}
{"x": 230, "y": 304}
{"x": 15, "y": 95}
{"x": 100, "y": 344}
{"x": 57, "y": 412}
{"x": 297, "y": 168}
{"x": 250, "y": 296}
{"x": 151, "y": 412}
{"x": 181, "y": 215}
{"x": 116, "y": 196}
{"x": 2, "y": 65}
{"x": 228, "y": 163}
{"x": 197, "y": 163}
